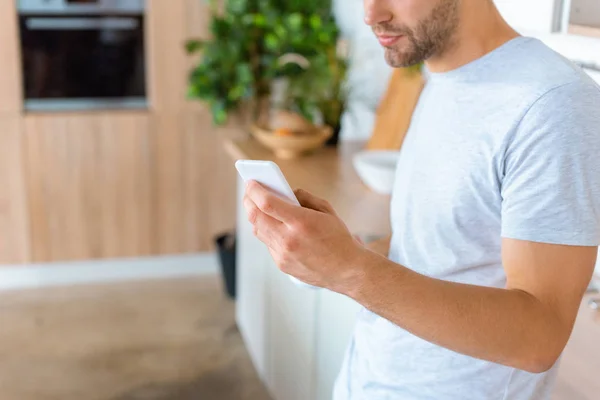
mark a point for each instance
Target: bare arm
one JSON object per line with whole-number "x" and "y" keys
{"x": 526, "y": 325}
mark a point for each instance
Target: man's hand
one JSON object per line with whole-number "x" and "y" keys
{"x": 310, "y": 242}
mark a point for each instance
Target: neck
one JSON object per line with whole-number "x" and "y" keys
{"x": 481, "y": 30}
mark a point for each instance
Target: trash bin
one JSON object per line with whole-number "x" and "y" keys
{"x": 226, "y": 248}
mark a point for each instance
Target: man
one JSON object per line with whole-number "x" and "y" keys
{"x": 495, "y": 216}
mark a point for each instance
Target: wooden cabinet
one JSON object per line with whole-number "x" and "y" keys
{"x": 89, "y": 184}
{"x": 183, "y": 163}
{"x": 169, "y": 24}
{"x": 10, "y": 60}
{"x": 14, "y": 235}
{"x": 579, "y": 372}
{"x": 106, "y": 185}
{"x": 114, "y": 183}
{"x": 194, "y": 181}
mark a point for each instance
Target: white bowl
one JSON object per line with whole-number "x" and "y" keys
{"x": 377, "y": 169}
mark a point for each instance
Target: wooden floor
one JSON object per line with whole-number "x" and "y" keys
{"x": 162, "y": 340}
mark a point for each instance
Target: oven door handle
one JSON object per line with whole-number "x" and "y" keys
{"x": 80, "y": 24}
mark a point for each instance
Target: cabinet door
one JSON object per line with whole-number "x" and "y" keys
{"x": 10, "y": 57}
{"x": 14, "y": 234}
{"x": 336, "y": 317}
{"x": 89, "y": 185}
{"x": 252, "y": 291}
{"x": 580, "y": 366}
{"x": 292, "y": 316}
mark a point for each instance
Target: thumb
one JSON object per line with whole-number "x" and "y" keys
{"x": 308, "y": 200}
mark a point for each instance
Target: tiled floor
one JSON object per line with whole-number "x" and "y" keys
{"x": 162, "y": 340}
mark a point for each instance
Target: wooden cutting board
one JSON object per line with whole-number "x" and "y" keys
{"x": 396, "y": 109}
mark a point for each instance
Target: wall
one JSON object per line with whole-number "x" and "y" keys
{"x": 585, "y": 12}
{"x": 531, "y": 15}
{"x": 369, "y": 73}
{"x": 110, "y": 184}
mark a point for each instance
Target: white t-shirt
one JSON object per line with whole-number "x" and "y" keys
{"x": 506, "y": 146}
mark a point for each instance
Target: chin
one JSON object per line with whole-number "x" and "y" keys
{"x": 401, "y": 59}
{"x": 396, "y": 60}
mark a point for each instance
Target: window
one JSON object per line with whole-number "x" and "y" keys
{"x": 579, "y": 33}
{"x": 581, "y": 17}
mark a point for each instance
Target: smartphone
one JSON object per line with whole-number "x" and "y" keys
{"x": 268, "y": 174}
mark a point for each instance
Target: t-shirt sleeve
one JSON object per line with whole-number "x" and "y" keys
{"x": 551, "y": 172}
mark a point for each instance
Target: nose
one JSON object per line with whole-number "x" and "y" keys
{"x": 377, "y": 12}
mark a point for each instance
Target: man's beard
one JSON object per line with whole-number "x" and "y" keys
{"x": 430, "y": 37}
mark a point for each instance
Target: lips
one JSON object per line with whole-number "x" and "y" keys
{"x": 388, "y": 40}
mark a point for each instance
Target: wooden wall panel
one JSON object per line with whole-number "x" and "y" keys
{"x": 197, "y": 14}
{"x": 14, "y": 235}
{"x": 89, "y": 180}
{"x": 180, "y": 192}
{"x": 168, "y": 64}
{"x": 195, "y": 180}
{"x": 222, "y": 199}
{"x": 10, "y": 59}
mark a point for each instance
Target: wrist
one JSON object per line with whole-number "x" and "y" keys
{"x": 359, "y": 272}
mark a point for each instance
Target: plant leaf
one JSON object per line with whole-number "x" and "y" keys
{"x": 272, "y": 42}
{"x": 316, "y": 22}
{"x": 194, "y": 45}
{"x": 295, "y": 21}
{"x": 219, "y": 112}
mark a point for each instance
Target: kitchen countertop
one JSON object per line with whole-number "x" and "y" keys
{"x": 329, "y": 174}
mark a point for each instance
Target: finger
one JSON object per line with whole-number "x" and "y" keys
{"x": 265, "y": 228}
{"x": 313, "y": 202}
{"x": 271, "y": 204}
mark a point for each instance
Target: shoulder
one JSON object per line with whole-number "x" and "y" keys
{"x": 551, "y": 86}
{"x": 574, "y": 104}
{"x": 562, "y": 124}
{"x": 536, "y": 68}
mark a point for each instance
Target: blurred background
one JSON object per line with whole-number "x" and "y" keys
{"x": 125, "y": 271}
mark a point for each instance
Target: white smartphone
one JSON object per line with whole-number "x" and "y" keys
{"x": 268, "y": 174}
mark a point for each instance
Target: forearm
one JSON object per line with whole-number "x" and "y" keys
{"x": 503, "y": 326}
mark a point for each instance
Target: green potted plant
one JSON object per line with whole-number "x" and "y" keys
{"x": 243, "y": 57}
{"x": 319, "y": 93}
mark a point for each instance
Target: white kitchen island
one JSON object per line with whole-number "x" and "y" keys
{"x": 297, "y": 337}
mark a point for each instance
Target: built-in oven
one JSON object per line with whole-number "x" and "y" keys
{"x": 83, "y": 54}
